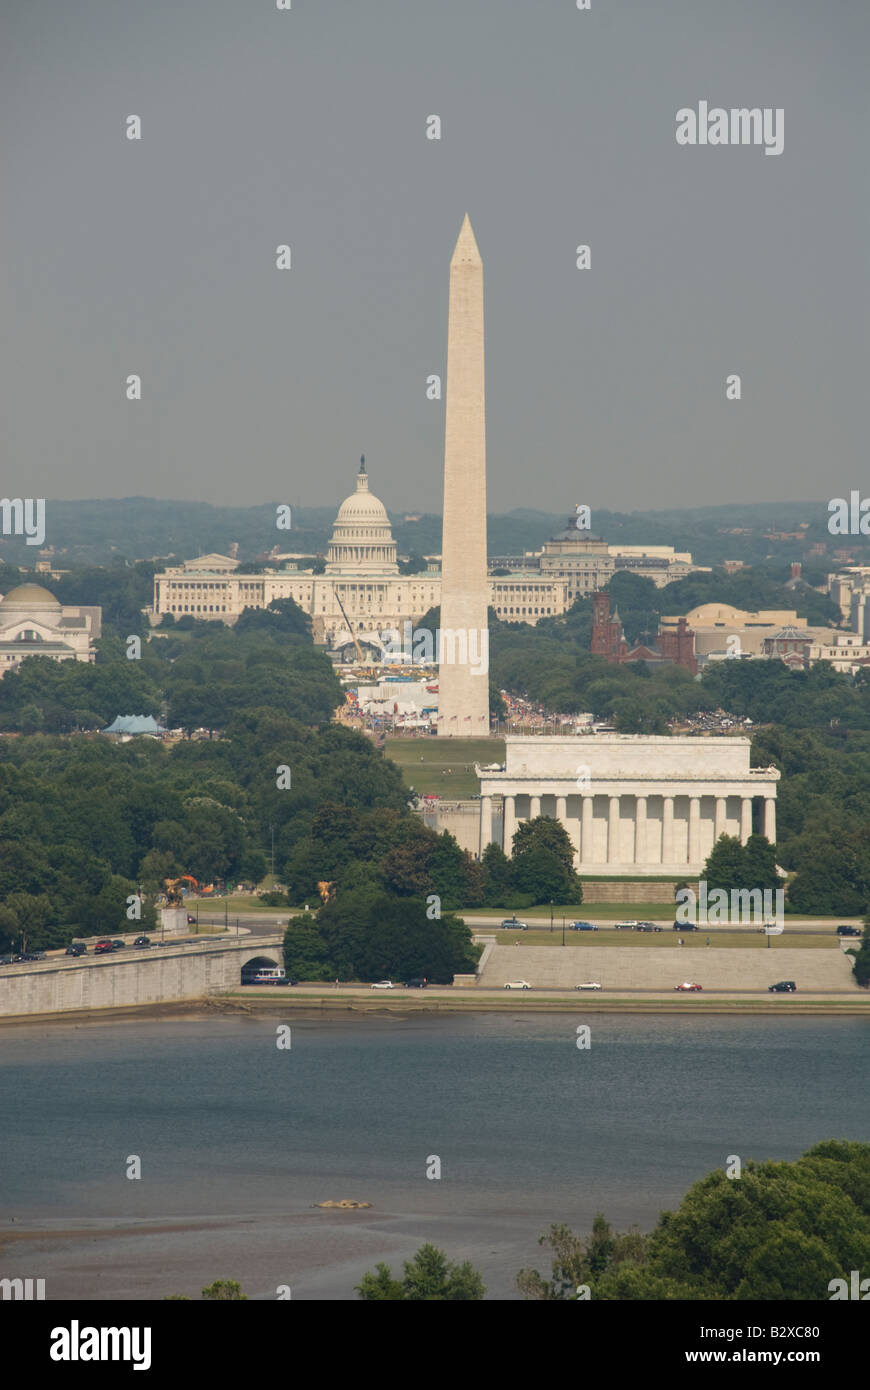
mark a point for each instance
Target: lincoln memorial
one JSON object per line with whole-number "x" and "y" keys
{"x": 631, "y": 803}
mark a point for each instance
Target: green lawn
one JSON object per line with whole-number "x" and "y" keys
{"x": 443, "y": 766}
{"x": 719, "y": 936}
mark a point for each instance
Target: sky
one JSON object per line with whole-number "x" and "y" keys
{"x": 307, "y": 127}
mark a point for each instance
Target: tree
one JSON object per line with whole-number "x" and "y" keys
{"x": 544, "y": 833}
{"x": 428, "y": 1278}
{"x": 578, "y": 1261}
{"x": 224, "y": 1291}
{"x": 497, "y": 874}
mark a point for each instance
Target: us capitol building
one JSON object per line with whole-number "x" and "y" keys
{"x": 362, "y": 576}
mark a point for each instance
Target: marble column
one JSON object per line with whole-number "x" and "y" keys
{"x": 510, "y": 823}
{"x": 586, "y": 830}
{"x": 770, "y": 819}
{"x": 667, "y": 830}
{"x": 640, "y": 831}
{"x": 613, "y": 831}
{"x": 485, "y": 822}
{"x": 562, "y": 810}
{"x": 534, "y": 807}
{"x": 694, "y": 829}
{"x": 719, "y": 826}
{"x": 745, "y": 819}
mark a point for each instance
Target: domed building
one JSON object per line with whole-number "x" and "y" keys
{"x": 362, "y": 538}
{"x": 360, "y": 594}
{"x": 34, "y": 623}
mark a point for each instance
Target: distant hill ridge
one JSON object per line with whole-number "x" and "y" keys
{"x": 99, "y": 530}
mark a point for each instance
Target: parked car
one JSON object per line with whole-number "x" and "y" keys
{"x": 783, "y": 987}
{"x": 142, "y": 941}
{"x": 384, "y": 984}
{"x": 518, "y": 984}
{"x": 583, "y": 926}
{"x": 647, "y": 926}
{"x": 628, "y": 925}
{"x": 848, "y": 931}
{"x": 102, "y": 947}
{"x": 417, "y": 983}
{"x": 590, "y": 984}
{"x": 687, "y": 985}
{"x": 686, "y": 926}
{"x": 513, "y": 924}
{"x": 77, "y": 948}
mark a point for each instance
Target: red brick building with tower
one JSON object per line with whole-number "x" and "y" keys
{"x": 674, "y": 646}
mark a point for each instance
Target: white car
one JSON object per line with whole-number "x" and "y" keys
{"x": 384, "y": 984}
{"x": 628, "y": 925}
{"x": 590, "y": 984}
{"x": 518, "y": 984}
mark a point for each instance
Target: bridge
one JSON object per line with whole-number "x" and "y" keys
{"x": 156, "y": 975}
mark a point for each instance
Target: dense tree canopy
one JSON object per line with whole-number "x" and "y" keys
{"x": 779, "y": 1231}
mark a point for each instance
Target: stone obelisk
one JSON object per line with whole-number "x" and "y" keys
{"x": 463, "y": 680}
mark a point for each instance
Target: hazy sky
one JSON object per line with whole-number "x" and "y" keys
{"x": 308, "y": 127}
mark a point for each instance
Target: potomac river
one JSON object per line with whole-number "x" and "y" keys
{"x": 238, "y": 1138}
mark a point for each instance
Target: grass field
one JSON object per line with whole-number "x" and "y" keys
{"x": 667, "y": 940}
{"x": 443, "y": 767}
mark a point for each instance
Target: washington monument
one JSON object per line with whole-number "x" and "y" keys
{"x": 463, "y": 701}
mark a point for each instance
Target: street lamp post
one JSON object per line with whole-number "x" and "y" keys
{"x": 551, "y": 914}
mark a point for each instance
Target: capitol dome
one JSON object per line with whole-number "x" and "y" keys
{"x": 30, "y": 598}
{"x": 362, "y": 538}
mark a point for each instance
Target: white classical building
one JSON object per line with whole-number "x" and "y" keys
{"x": 632, "y": 804}
{"x": 34, "y": 623}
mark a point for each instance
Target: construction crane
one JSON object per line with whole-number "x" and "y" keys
{"x": 359, "y": 650}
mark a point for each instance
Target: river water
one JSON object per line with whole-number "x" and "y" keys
{"x": 238, "y": 1138}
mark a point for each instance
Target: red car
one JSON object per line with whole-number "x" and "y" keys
{"x": 687, "y": 985}
{"x": 102, "y": 947}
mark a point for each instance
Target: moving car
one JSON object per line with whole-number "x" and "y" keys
{"x": 417, "y": 983}
{"x": 266, "y": 975}
{"x": 782, "y": 987}
{"x": 118, "y": 944}
{"x": 687, "y": 985}
{"x": 590, "y": 984}
{"x": 685, "y": 926}
{"x": 628, "y": 925}
{"x": 647, "y": 926}
{"x": 191, "y": 921}
{"x": 31, "y": 955}
{"x": 77, "y": 948}
{"x": 848, "y": 931}
{"x": 102, "y": 947}
{"x": 518, "y": 984}
{"x": 513, "y": 924}
{"x": 384, "y": 984}
{"x": 142, "y": 941}
{"x": 583, "y": 926}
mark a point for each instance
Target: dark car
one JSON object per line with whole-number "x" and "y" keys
{"x": 103, "y": 947}
{"x": 583, "y": 926}
{"x": 118, "y": 944}
{"x": 142, "y": 941}
{"x": 77, "y": 948}
{"x": 7, "y": 960}
{"x": 685, "y": 926}
{"x": 783, "y": 987}
{"x": 190, "y": 920}
{"x": 417, "y": 983}
{"x": 848, "y": 931}
{"x": 647, "y": 926}
{"x": 31, "y": 955}
{"x": 514, "y": 924}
